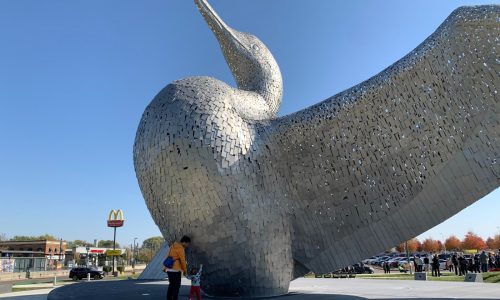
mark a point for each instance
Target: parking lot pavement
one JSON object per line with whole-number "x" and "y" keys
{"x": 396, "y": 289}
{"x": 301, "y": 289}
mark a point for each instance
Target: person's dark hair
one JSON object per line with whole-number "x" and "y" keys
{"x": 194, "y": 271}
{"x": 185, "y": 239}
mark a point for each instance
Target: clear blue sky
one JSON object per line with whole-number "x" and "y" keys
{"x": 75, "y": 77}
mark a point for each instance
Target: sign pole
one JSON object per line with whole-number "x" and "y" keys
{"x": 114, "y": 248}
{"x": 115, "y": 220}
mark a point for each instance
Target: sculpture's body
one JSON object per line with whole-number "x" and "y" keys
{"x": 266, "y": 199}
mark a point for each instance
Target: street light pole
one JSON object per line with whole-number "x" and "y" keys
{"x": 408, "y": 256}
{"x": 444, "y": 242}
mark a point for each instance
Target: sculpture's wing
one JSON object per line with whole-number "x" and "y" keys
{"x": 394, "y": 156}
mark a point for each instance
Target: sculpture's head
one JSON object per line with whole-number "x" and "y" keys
{"x": 252, "y": 64}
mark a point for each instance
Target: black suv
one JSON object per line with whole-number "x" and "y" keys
{"x": 80, "y": 273}
{"x": 363, "y": 269}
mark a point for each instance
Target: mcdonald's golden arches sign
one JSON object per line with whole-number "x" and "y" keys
{"x": 115, "y": 218}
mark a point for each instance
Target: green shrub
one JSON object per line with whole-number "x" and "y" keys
{"x": 120, "y": 269}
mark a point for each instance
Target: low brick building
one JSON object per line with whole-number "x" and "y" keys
{"x": 41, "y": 255}
{"x": 42, "y": 248}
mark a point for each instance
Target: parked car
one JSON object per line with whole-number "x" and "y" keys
{"x": 370, "y": 260}
{"x": 444, "y": 256}
{"x": 362, "y": 269}
{"x": 382, "y": 260}
{"x": 404, "y": 261}
{"x": 442, "y": 264}
{"x": 81, "y": 272}
{"x": 346, "y": 270}
{"x": 394, "y": 262}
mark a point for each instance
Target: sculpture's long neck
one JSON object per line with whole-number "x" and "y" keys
{"x": 251, "y": 63}
{"x": 267, "y": 84}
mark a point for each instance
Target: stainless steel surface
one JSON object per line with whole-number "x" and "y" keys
{"x": 265, "y": 198}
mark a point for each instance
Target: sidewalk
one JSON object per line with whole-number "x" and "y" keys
{"x": 34, "y": 275}
{"x": 27, "y": 295}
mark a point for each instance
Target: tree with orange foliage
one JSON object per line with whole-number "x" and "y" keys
{"x": 453, "y": 243}
{"x": 430, "y": 245}
{"x": 490, "y": 242}
{"x": 493, "y": 243}
{"x": 473, "y": 241}
{"x": 440, "y": 245}
{"x": 413, "y": 246}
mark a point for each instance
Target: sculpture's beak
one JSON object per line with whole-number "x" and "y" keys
{"x": 221, "y": 30}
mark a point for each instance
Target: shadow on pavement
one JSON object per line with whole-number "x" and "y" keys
{"x": 299, "y": 296}
{"x": 137, "y": 289}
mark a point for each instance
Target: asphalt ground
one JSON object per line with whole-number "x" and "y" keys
{"x": 306, "y": 289}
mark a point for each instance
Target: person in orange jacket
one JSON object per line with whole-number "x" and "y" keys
{"x": 178, "y": 254}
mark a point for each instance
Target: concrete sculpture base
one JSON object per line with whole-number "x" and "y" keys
{"x": 473, "y": 277}
{"x": 266, "y": 199}
{"x": 420, "y": 276}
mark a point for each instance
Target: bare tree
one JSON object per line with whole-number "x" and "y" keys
{"x": 3, "y": 237}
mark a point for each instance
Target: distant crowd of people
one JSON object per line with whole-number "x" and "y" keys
{"x": 426, "y": 264}
{"x": 459, "y": 263}
{"x": 475, "y": 263}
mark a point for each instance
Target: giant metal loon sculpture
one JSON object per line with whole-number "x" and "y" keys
{"x": 267, "y": 199}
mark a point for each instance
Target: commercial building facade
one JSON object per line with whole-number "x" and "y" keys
{"x": 41, "y": 255}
